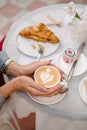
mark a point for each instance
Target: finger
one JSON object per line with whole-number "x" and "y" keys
{"x": 63, "y": 77}
{"x": 35, "y": 92}
{"x": 43, "y": 63}
{"x": 49, "y": 93}
{"x": 53, "y": 90}
{"x": 39, "y": 87}
{"x": 39, "y": 90}
{"x": 61, "y": 71}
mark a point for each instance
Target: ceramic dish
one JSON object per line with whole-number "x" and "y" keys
{"x": 80, "y": 68}
{"x": 82, "y": 90}
{"x": 30, "y": 47}
{"x": 48, "y": 100}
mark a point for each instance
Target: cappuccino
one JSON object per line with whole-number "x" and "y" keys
{"x": 48, "y": 76}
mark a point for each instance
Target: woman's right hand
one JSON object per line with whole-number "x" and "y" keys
{"x": 28, "y": 85}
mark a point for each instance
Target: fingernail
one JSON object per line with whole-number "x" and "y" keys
{"x": 64, "y": 76}
{"x": 61, "y": 83}
{"x": 44, "y": 89}
{"x": 64, "y": 90}
{"x": 51, "y": 60}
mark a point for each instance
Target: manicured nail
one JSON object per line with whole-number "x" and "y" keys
{"x": 61, "y": 83}
{"x": 64, "y": 76}
{"x": 64, "y": 90}
{"x": 44, "y": 89}
{"x": 51, "y": 60}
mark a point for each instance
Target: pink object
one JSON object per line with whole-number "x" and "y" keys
{"x": 68, "y": 55}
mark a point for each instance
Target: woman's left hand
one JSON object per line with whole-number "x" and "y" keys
{"x": 14, "y": 69}
{"x": 29, "y": 69}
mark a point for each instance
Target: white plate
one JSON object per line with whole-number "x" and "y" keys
{"x": 48, "y": 100}
{"x": 25, "y": 45}
{"x": 80, "y": 68}
{"x": 82, "y": 91}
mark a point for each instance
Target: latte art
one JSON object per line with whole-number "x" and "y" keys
{"x": 48, "y": 76}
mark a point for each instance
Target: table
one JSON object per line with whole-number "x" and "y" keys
{"x": 71, "y": 110}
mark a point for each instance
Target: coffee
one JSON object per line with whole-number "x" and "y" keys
{"x": 48, "y": 76}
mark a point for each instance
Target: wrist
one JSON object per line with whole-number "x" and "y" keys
{"x": 8, "y": 88}
{"x": 5, "y": 65}
{"x": 15, "y": 69}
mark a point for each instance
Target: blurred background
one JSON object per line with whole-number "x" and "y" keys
{"x": 11, "y": 10}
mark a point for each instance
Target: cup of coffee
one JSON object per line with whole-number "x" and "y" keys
{"x": 48, "y": 76}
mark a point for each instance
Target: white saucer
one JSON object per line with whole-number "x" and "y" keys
{"x": 48, "y": 100}
{"x": 82, "y": 90}
{"x": 80, "y": 68}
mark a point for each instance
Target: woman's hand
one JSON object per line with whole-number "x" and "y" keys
{"x": 29, "y": 69}
{"x": 24, "y": 82}
{"x": 15, "y": 69}
{"x": 28, "y": 85}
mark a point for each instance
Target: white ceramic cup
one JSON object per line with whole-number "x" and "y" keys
{"x": 48, "y": 76}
